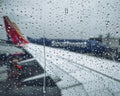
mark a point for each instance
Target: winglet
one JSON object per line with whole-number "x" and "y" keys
{"x": 13, "y": 32}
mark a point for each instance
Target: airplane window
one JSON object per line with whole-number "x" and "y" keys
{"x": 59, "y": 47}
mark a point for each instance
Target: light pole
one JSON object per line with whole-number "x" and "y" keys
{"x": 44, "y": 80}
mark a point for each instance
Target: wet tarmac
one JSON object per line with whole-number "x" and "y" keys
{"x": 18, "y": 87}
{"x": 26, "y": 90}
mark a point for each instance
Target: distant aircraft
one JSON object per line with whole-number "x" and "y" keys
{"x": 75, "y": 74}
{"x": 8, "y": 48}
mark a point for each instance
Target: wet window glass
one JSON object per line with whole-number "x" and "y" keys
{"x": 59, "y": 48}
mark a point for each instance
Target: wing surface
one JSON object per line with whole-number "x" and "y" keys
{"x": 80, "y": 75}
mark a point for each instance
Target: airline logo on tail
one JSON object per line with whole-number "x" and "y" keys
{"x": 13, "y": 32}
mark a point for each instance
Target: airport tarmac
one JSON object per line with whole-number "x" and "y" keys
{"x": 12, "y": 86}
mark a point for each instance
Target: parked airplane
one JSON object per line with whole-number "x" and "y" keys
{"x": 75, "y": 74}
{"x": 82, "y": 46}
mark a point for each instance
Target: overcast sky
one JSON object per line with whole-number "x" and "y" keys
{"x": 76, "y": 19}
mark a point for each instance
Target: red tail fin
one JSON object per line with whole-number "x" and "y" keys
{"x": 13, "y": 32}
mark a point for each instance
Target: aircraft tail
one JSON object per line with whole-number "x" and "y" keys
{"x": 13, "y": 33}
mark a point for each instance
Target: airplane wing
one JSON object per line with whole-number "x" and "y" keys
{"x": 75, "y": 74}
